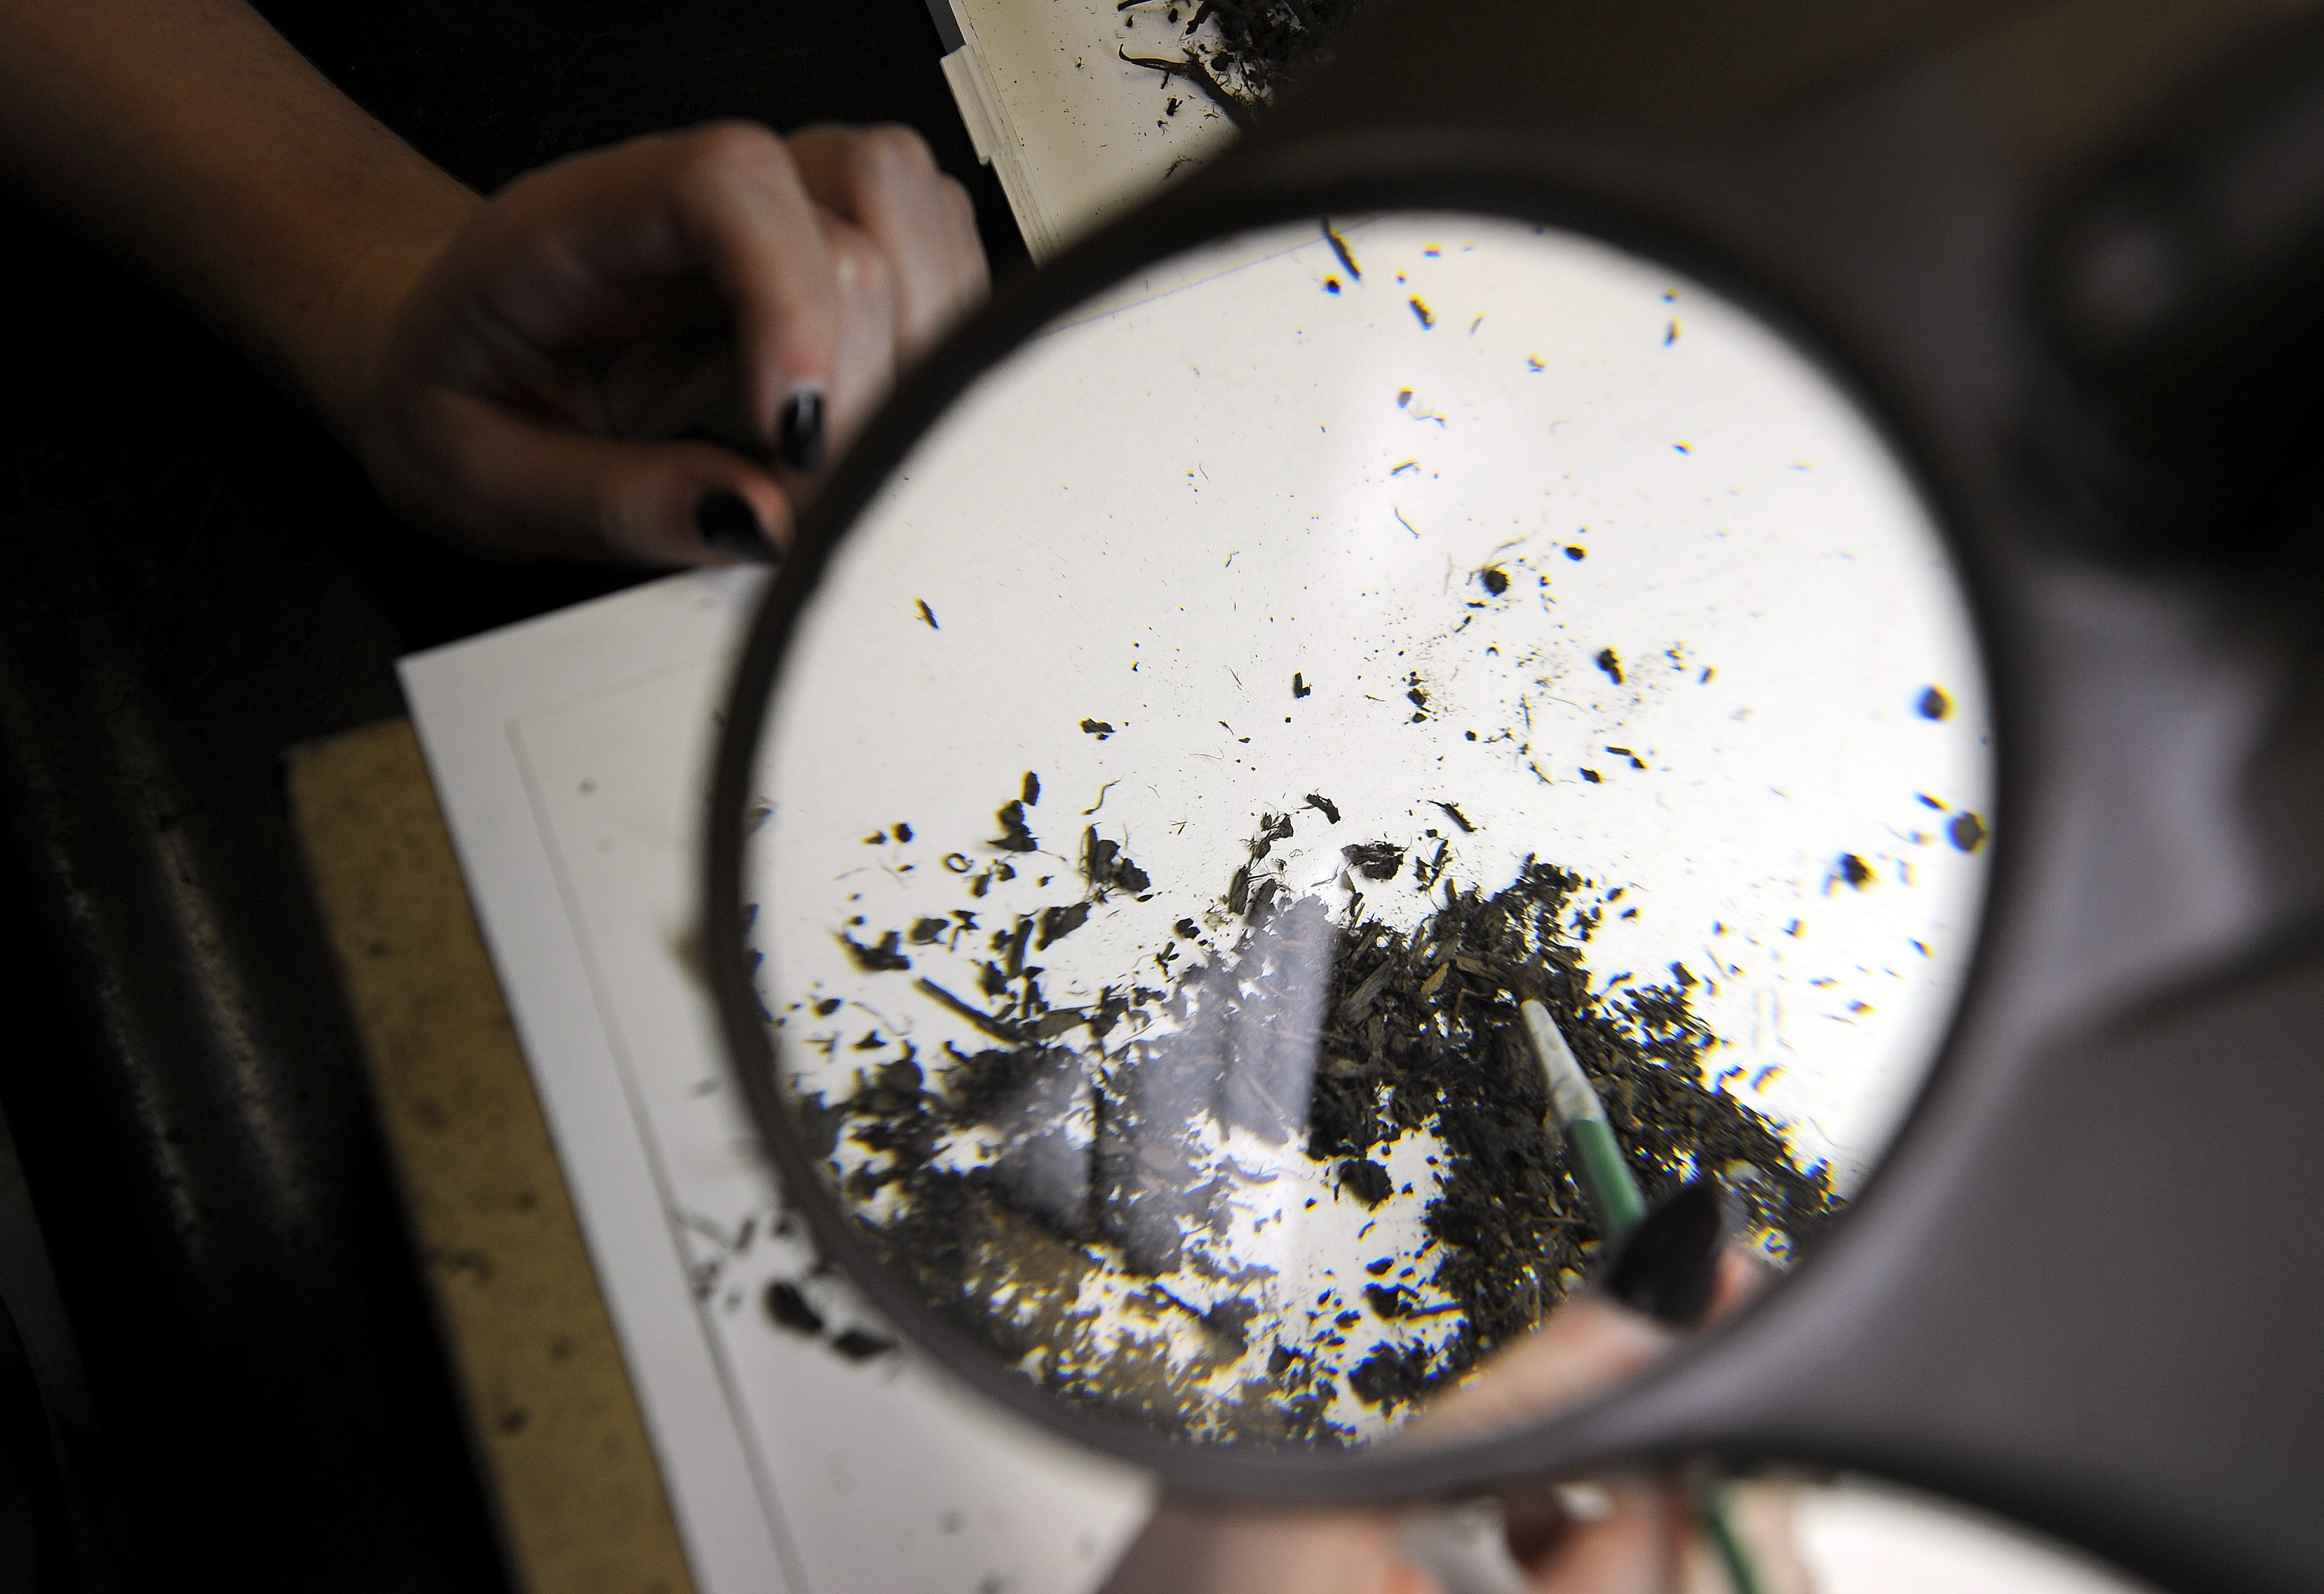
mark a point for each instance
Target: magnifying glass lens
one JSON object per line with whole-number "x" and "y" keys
{"x": 1252, "y": 693}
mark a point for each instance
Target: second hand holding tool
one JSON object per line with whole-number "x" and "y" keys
{"x": 1604, "y": 1172}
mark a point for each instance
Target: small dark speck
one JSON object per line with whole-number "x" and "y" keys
{"x": 1855, "y": 870}
{"x": 1299, "y": 686}
{"x": 1968, "y": 831}
{"x": 1593, "y": 777}
{"x": 1453, "y": 812}
{"x": 902, "y": 832}
{"x": 927, "y": 613}
{"x": 1032, "y": 798}
{"x": 1323, "y": 805}
{"x": 858, "y": 1346}
{"x": 1422, "y": 314}
{"x": 826, "y": 1007}
{"x": 1016, "y": 836}
{"x": 1497, "y": 581}
{"x": 884, "y": 957}
{"x": 1929, "y": 802}
{"x": 1330, "y": 284}
{"x": 1577, "y": 554}
{"x": 1366, "y": 1180}
{"x": 1933, "y": 705}
{"x": 1098, "y": 728}
{"x": 1611, "y": 664}
{"x": 789, "y": 1309}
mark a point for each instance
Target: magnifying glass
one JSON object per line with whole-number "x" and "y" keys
{"x": 1390, "y": 718}
{"x": 1316, "y": 698}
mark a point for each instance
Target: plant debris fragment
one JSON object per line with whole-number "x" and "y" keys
{"x": 1240, "y": 55}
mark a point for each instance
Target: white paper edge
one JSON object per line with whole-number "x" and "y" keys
{"x": 465, "y": 699}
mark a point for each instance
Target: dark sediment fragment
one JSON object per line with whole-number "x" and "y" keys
{"x": 1015, "y": 837}
{"x": 886, "y": 957}
{"x": 859, "y": 1345}
{"x": 1107, "y": 867}
{"x": 787, "y": 1308}
{"x": 1240, "y": 55}
{"x": 1366, "y": 1180}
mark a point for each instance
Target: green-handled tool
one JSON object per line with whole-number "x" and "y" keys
{"x": 1604, "y": 1173}
{"x": 1580, "y": 1117}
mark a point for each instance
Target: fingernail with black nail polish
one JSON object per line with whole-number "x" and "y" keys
{"x": 729, "y": 526}
{"x": 1669, "y": 1265}
{"x": 802, "y": 431}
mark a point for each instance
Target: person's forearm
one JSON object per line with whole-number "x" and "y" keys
{"x": 189, "y": 135}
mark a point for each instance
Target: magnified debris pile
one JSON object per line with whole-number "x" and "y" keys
{"x": 1427, "y": 1035}
{"x": 1300, "y": 1181}
{"x": 1240, "y": 55}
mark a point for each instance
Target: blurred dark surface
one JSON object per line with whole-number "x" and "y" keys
{"x": 196, "y": 580}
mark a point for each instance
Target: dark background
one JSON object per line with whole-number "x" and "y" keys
{"x": 233, "y": 1379}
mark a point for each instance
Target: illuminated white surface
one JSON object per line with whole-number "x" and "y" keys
{"x": 1157, "y": 513}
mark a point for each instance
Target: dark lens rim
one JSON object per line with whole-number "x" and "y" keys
{"x": 1350, "y": 177}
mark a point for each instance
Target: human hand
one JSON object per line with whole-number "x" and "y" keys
{"x": 1624, "y": 1537}
{"x": 1633, "y": 1534}
{"x": 548, "y": 385}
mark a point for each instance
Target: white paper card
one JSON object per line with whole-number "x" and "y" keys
{"x": 570, "y": 755}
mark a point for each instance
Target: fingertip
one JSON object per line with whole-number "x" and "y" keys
{"x": 730, "y": 530}
{"x": 741, "y": 522}
{"x": 696, "y": 503}
{"x": 744, "y": 197}
{"x": 802, "y": 428}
